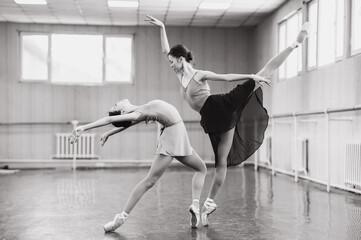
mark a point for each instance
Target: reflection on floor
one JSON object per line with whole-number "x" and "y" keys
{"x": 62, "y": 204}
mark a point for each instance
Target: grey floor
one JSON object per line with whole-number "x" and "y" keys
{"x": 62, "y": 204}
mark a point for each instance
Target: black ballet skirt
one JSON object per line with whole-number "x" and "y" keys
{"x": 241, "y": 108}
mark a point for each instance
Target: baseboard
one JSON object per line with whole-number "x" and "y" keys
{"x": 80, "y": 163}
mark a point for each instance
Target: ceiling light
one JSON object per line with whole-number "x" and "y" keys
{"x": 124, "y": 4}
{"x": 214, "y": 6}
{"x": 35, "y": 2}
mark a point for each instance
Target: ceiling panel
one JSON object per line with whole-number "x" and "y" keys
{"x": 70, "y": 19}
{"x": 125, "y": 22}
{"x": 173, "y": 12}
{"x": 178, "y": 22}
{"x": 16, "y": 18}
{"x": 214, "y": 14}
{"x": 10, "y": 10}
{"x": 185, "y": 4}
{"x": 204, "y": 21}
{"x": 41, "y": 19}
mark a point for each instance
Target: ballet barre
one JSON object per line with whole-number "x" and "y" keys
{"x": 294, "y": 120}
{"x": 33, "y": 123}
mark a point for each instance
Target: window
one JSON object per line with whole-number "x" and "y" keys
{"x": 326, "y": 41}
{"x": 326, "y": 32}
{"x": 355, "y": 27}
{"x": 118, "y": 58}
{"x": 76, "y": 59}
{"x": 282, "y": 45}
{"x": 340, "y": 12}
{"x": 34, "y": 57}
{"x": 312, "y": 38}
{"x": 288, "y": 30}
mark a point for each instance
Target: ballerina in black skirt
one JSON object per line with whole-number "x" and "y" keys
{"x": 235, "y": 121}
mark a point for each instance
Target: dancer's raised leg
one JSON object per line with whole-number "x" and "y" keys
{"x": 277, "y": 60}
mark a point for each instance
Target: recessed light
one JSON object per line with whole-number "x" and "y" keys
{"x": 124, "y": 4}
{"x": 35, "y": 2}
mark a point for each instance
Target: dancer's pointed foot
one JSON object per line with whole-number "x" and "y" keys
{"x": 195, "y": 218}
{"x": 118, "y": 221}
{"x": 302, "y": 35}
{"x": 261, "y": 80}
{"x": 209, "y": 207}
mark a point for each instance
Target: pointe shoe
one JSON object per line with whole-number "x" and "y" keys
{"x": 208, "y": 208}
{"x": 302, "y": 35}
{"x": 195, "y": 219}
{"x": 305, "y": 29}
{"x": 119, "y": 220}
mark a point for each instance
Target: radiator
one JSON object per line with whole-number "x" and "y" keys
{"x": 302, "y": 155}
{"x": 353, "y": 164}
{"x": 265, "y": 151}
{"x": 84, "y": 148}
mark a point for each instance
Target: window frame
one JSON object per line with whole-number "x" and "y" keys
{"x": 317, "y": 38}
{"x": 132, "y": 60}
{"x": 284, "y": 21}
{"x": 340, "y": 58}
{"x": 22, "y": 80}
{"x": 336, "y": 58}
{"x": 353, "y": 52}
{"x": 50, "y": 62}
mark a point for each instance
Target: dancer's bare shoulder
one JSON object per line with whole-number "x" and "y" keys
{"x": 200, "y": 75}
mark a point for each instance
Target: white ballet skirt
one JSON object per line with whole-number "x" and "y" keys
{"x": 174, "y": 141}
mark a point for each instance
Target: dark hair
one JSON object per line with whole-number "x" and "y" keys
{"x": 180, "y": 50}
{"x": 124, "y": 124}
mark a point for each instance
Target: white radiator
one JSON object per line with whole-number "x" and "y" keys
{"x": 84, "y": 148}
{"x": 353, "y": 164}
{"x": 265, "y": 151}
{"x": 302, "y": 155}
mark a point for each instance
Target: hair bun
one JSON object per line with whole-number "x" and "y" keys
{"x": 180, "y": 50}
{"x": 189, "y": 56}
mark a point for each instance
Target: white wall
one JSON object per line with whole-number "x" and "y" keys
{"x": 221, "y": 50}
{"x": 334, "y": 86}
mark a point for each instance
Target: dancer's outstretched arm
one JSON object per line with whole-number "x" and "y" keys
{"x": 163, "y": 33}
{"x": 163, "y": 38}
{"x": 231, "y": 77}
{"x": 116, "y": 130}
{"x": 106, "y": 135}
{"x": 133, "y": 116}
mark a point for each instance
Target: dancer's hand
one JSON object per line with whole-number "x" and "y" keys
{"x": 154, "y": 21}
{"x": 76, "y": 134}
{"x": 103, "y": 139}
{"x": 261, "y": 80}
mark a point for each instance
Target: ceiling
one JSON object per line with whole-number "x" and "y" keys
{"x": 171, "y": 12}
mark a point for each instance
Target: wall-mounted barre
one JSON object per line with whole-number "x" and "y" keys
{"x": 326, "y": 111}
{"x": 295, "y": 120}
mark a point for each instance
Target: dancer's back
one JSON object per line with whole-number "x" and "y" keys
{"x": 160, "y": 111}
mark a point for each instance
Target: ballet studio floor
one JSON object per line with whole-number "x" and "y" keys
{"x": 65, "y": 204}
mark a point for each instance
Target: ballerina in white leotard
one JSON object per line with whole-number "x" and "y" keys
{"x": 173, "y": 143}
